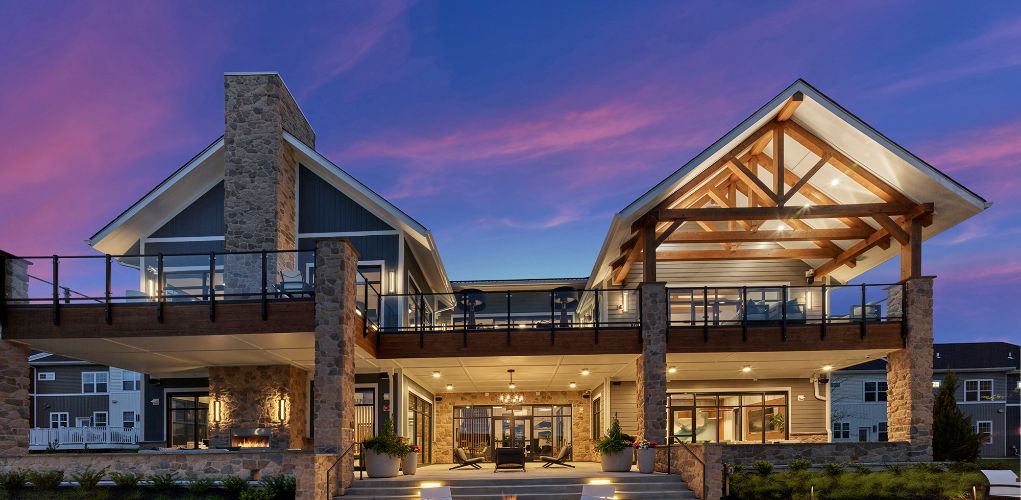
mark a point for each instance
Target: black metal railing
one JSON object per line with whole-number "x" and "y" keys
{"x": 824, "y": 305}
{"x": 507, "y": 311}
{"x": 367, "y": 304}
{"x": 671, "y": 442}
{"x": 360, "y": 467}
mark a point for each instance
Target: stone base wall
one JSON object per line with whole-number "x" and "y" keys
{"x": 688, "y": 465}
{"x": 581, "y": 412}
{"x": 15, "y": 383}
{"x": 810, "y": 437}
{"x": 249, "y": 398}
{"x": 211, "y": 464}
{"x": 650, "y": 366}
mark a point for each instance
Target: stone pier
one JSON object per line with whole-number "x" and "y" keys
{"x": 651, "y": 364}
{"x": 15, "y": 375}
{"x": 909, "y": 374}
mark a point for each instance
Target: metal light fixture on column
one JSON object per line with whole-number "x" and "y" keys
{"x": 512, "y": 397}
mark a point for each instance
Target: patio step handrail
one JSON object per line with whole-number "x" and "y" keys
{"x": 670, "y": 441}
{"x": 329, "y": 472}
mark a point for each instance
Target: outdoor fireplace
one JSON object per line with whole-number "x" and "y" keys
{"x": 250, "y": 438}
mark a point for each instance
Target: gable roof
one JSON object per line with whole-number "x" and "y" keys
{"x": 962, "y": 356}
{"x": 823, "y": 117}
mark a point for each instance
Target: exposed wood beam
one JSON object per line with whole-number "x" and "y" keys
{"x": 920, "y": 212}
{"x": 619, "y": 273}
{"x": 891, "y": 227}
{"x": 813, "y": 194}
{"x": 804, "y": 179}
{"x": 778, "y": 135}
{"x": 911, "y": 253}
{"x": 790, "y": 106}
{"x": 649, "y": 263}
{"x": 759, "y": 236}
{"x": 660, "y": 238}
{"x": 785, "y": 213}
{"x": 745, "y": 254}
{"x": 752, "y": 180}
{"x": 849, "y": 167}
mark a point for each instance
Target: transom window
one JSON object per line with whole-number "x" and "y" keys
{"x": 875, "y": 391}
{"x": 132, "y": 381}
{"x": 95, "y": 382}
{"x": 841, "y": 430}
{"x": 978, "y": 390}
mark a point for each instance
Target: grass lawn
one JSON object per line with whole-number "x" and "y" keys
{"x": 1013, "y": 464}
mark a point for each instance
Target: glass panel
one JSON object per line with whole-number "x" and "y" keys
{"x": 681, "y": 426}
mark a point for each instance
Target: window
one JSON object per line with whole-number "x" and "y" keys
{"x": 128, "y": 419}
{"x": 978, "y": 390}
{"x": 875, "y": 391}
{"x": 883, "y": 431}
{"x": 985, "y": 427}
{"x": 46, "y": 376}
{"x": 841, "y": 430}
{"x": 59, "y": 419}
{"x": 863, "y": 434}
{"x": 597, "y": 418}
{"x": 95, "y": 382}
{"x": 99, "y": 418}
{"x": 82, "y": 422}
{"x": 132, "y": 381}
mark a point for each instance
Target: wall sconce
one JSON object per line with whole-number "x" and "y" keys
{"x": 281, "y": 410}
{"x": 392, "y": 282}
{"x": 216, "y": 411}
{"x": 623, "y": 304}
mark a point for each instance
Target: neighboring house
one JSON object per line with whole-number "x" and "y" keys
{"x": 78, "y": 404}
{"x": 988, "y": 387}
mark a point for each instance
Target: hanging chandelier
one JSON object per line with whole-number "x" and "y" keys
{"x": 512, "y": 397}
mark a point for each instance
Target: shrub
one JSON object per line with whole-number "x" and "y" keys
{"x": 861, "y": 469}
{"x": 124, "y": 480}
{"x": 895, "y": 469}
{"x": 763, "y": 467}
{"x": 235, "y": 486}
{"x": 799, "y": 465}
{"x": 200, "y": 486}
{"x": 256, "y": 494}
{"x": 46, "y": 481}
{"x": 280, "y": 487}
{"x": 953, "y": 436}
{"x": 88, "y": 478}
{"x": 928, "y": 467}
{"x": 387, "y": 442}
{"x": 833, "y": 468}
{"x": 615, "y": 440}
{"x": 13, "y": 480}
{"x": 163, "y": 482}
{"x": 964, "y": 467}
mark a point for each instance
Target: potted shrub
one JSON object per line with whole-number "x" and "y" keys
{"x": 646, "y": 451}
{"x": 383, "y": 453}
{"x": 615, "y": 449}
{"x": 410, "y": 462}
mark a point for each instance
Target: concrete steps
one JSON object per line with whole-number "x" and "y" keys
{"x": 522, "y": 487}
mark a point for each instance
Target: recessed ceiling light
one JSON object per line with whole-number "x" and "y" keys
{"x": 672, "y": 370}
{"x": 585, "y": 372}
{"x": 827, "y": 368}
{"x": 450, "y": 387}
{"x": 436, "y": 374}
{"x": 746, "y": 369}
{"x": 834, "y": 182}
{"x": 572, "y": 385}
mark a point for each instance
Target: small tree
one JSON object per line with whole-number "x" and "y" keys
{"x": 615, "y": 440}
{"x": 953, "y": 435}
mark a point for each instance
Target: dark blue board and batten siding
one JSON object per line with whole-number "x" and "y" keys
{"x": 324, "y": 209}
{"x": 204, "y": 217}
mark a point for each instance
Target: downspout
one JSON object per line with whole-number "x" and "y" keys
{"x": 829, "y": 415}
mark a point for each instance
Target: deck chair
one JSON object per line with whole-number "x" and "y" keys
{"x": 597, "y": 492}
{"x": 291, "y": 282}
{"x": 435, "y": 493}
{"x": 509, "y": 459}
{"x": 463, "y": 461}
{"x": 559, "y": 459}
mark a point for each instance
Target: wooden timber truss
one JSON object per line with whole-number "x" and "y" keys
{"x": 710, "y": 201}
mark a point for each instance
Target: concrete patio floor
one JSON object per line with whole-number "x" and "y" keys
{"x": 533, "y": 470}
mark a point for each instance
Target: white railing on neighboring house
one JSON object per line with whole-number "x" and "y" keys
{"x": 77, "y": 438}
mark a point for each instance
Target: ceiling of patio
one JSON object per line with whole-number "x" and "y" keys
{"x": 555, "y": 373}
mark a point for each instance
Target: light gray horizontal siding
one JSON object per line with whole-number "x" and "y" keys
{"x": 624, "y": 406}
{"x": 711, "y": 273}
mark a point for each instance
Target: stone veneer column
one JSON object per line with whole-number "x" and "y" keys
{"x": 260, "y": 175}
{"x": 651, "y": 364}
{"x": 909, "y": 374}
{"x": 15, "y": 374}
{"x": 335, "y": 295}
{"x": 249, "y": 398}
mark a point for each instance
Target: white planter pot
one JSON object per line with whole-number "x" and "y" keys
{"x": 380, "y": 465}
{"x": 647, "y": 460}
{"x": 616, "y": 462}
{"x": 409, "y": 464}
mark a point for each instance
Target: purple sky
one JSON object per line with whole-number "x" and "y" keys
{"x": 513, "y": 130}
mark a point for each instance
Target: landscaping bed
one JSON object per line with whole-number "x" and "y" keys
{"x": 100, "y": 485}
{"x": 856, "y": 481}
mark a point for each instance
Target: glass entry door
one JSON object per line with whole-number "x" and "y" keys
{"x": 187, "y": 417}
{"x": 513, "y": 432}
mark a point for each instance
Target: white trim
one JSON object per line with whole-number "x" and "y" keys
{"x": 96, "y": 382}
{"x": 978, "y": 381}
{"x": 155, "y": 193}
{"x": 388, "y": 232}
{"x": 45, "y": 376}
{"x": 991, "y": 430}
{"x": 64, "y": 394}
{"x": 67, "y": 419}
{"x": 184, "y": 206}
{"x": 106, "y": 414}
{"x": 180, "y": 239}
{"x": 375, "y": 404}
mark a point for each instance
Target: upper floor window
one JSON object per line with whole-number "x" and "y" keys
{"x": 95, "y": 382}
{"x": 875, "y": 391}
{"x": 978, "y": 390}
{"x": 841, "y": 430}
{"x": 46, "y": 376}
{"x": 132, "y": 381}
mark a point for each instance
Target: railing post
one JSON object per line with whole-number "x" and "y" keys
{"x": 464, "y": 310}
{"x": 212, "y": 287}
{"x": 744, "y": 313}
{"x": 822, "y": 327}
{"x": 863, "y": 314}
{"x": 365, "y": 300}
{"x": 56, "y": 290}
{"x": 262, "y": 288}
{"x": 552, "y": 318}
{"x": 595, "y": 326}
{"x": 421, "y": 325}
{"x": 705, "y": 314}
{"x": 508, "y": 318}
{"x": 108, "y": 313}
{"x": 783, "y": 314}
{"x": 160, "y": 284}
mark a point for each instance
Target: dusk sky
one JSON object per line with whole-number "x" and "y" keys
{"x": 513, "y": 130}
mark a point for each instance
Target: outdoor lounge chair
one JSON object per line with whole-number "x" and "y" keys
{"x": 463, "y": 461}
{"x": 509, "y": 459}
{"x": 291, "y": 283}
{"x": 560, "y": 459}
{"x": 597, "y": 492}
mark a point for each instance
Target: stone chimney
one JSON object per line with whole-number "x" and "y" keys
{"x": 260, "y": 175}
